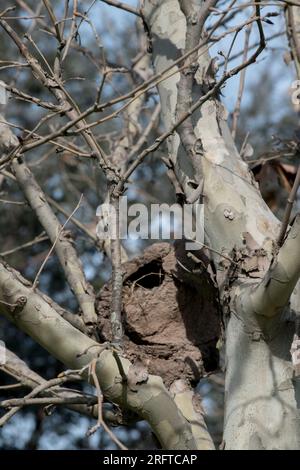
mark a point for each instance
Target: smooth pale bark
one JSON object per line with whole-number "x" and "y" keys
{"x": 63, "y": 245}
{"x": 262, "y": 410}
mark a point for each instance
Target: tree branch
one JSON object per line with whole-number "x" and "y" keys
{"x": 273, "y": 293}
{"x": 122, "y": 6}
{"x": 289, "y": 208}
{"x": 18, "y": 369}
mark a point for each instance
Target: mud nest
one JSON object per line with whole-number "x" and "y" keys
{"x": 170, "y": 313}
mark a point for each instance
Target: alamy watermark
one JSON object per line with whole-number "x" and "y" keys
{"x": 154, "y": 222}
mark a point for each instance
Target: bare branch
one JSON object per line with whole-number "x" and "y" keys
{"x": 35, "y": 282}
{"x": 117, "y": 277}
{"x": 40, "y": 238}
{"x": 273, "y": 293}
{"x": 18, "y": 369}
{"x": 20, "y": 402}
{"x": 60, "y": 209}
{"x": 149, "y": 399}
{"x": 289, "y": 207}
{"x": 100, "y": 421}
{"x": 55, "y": 86}
{"x": 63, "y": 245}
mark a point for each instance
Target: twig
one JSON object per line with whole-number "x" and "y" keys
{"x": 215, "y": 251}
{"x": 53, "y": 19}
{"x": 72, "y": 32}
{"x": 11, "y": 386}
{"x": 17, "y": 203}
{"x": 3, "y": 13}
{"x": 294, "y": 43}
{"x": 122, "y": 6}
{"x": 237, "y": 108}
{"x": 7, "y": 416}
{"x": 58, "y": 207}
{"x": 143, "y": 138}
{"x": 75, "y": 221}
{"x": 245, "y": 141}
{"x": 117, "y": 276}
{"x": 15, "y": 367}
{"x": 120, "y": 365}
{"x": 198, "y": 103}
{"x": 288, "y": 209}
{"x": 36, "y": 391}
{"x": 100, "y": 421}
{"x": 64, "y": 248}
{"x": 55, "y": 86}
{"x": 40, "y": 238}
{"x": 80, "y": 400}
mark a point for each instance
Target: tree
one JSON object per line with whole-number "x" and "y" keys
{"x": 244, "y": 276}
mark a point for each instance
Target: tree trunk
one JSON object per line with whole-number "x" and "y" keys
{"x": 262, "y": 398}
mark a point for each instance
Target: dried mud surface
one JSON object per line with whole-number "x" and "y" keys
{"x": 170, "y": 314}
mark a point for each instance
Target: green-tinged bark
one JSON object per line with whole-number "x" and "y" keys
{"x": 148, "y": 398}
